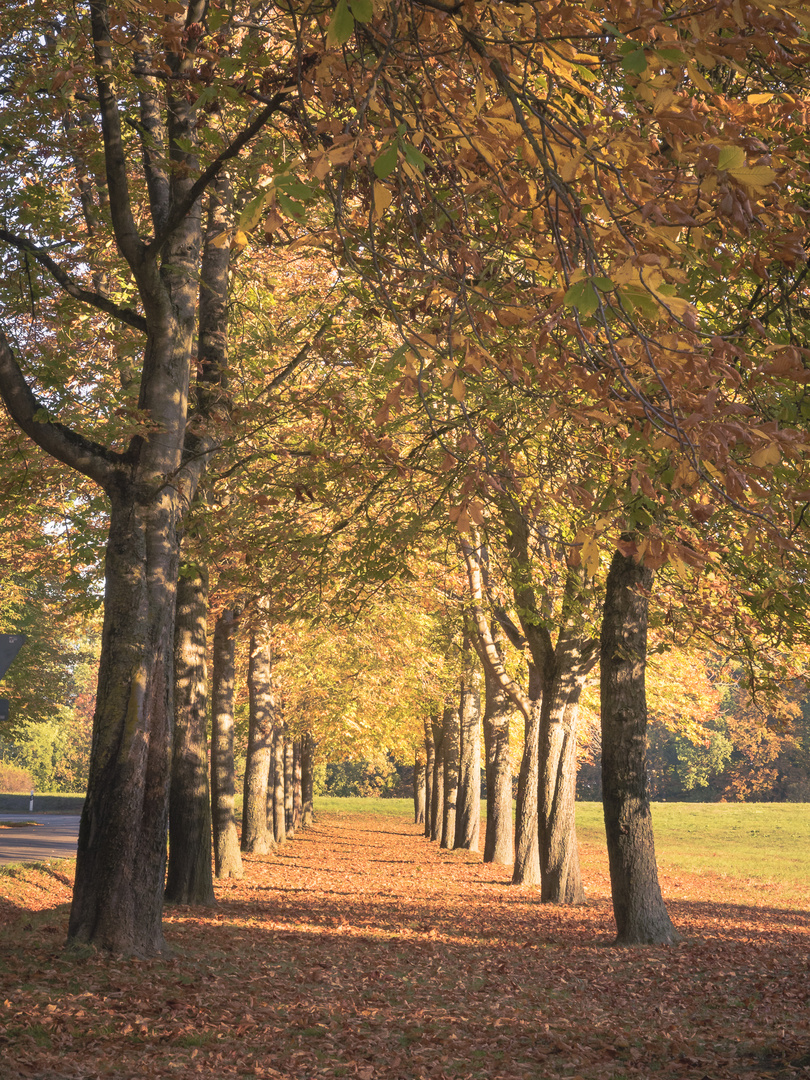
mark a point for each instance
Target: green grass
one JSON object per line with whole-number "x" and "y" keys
{"x": 370, "y": 805}
{"x": 760, "y": 841}
{"x": 46, "y": 803}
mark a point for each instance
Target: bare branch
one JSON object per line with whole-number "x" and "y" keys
{"x": 62, "y": 278}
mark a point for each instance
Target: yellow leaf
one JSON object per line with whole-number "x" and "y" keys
{"x": 590, "y": 556}
{"x": 768, "y": 455}
{"x": 700, "y": 82}
{"x": 459, "y": 389}
{"x": 757, "y": 177}
{"x": 759, "y": 99}
{"x": 382, "y": 200}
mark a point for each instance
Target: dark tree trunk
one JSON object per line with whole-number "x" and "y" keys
{"x": 419, "y": 787}
{"x": 641, "y": 917}
{"x": 527, "y": 840}
{"x": 498, "y": 841}
{"x": 430, "y": 767}
{"x": 297, "y": 797}
{"x": 288, "y": 786}
{"x": 437, "y": 794}
{"x": 227, "y": 857}
{"x": 307, "y": 779}
{"x": 468, "y": 808}
{"x": 256, "y": 838}
{"x": 190, "y": 879}
{"x": 450, "y": 727}
{"x": 279, "y": 823}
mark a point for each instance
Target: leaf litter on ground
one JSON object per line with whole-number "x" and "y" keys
{"x": 362, "y": 950}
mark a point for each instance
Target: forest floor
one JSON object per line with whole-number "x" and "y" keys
{"x": 362, "y": 950}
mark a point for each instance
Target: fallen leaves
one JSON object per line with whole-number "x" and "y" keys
{"x": 363, "y": 951}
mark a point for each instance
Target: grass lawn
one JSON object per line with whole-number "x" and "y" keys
{"x": 750, "y": 841}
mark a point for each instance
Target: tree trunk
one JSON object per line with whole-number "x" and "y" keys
{"x": 279, "y": 823}
{"x": 641, "y": 917}
{"x": 297, "y": 797}
{"x": 450, "y": 727}
{"x": 527, "y": 842}
{"x": 498, "y": 840}
{"x": 288, "y": 786}
{"x": 256, "y": 838}
{"x": 419, "y": 786}
{"x": 190, "y": 879}
{"x": 468, "y": 809}
{"x": 437, "y": 794}
{"x": 227, "y": 857}
{"x": 430, "y": 767}
{"x": 307, "y": 780}
{"x": 559, "y": 854}
{"x": 121, "y": 855}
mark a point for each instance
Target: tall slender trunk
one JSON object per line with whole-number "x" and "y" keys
{"x": 641, "y": 917}
{"x": 297, "y": 795}
{"x": 279, "y": 823}
{"x": 430, "y": 766}
{"x": 574, "y": 657}
{"x": 419, "y": 786}
{"x": 288, "y": 786}
{"x": 189, "y": 879}
{"x": 468, "y": 809}
{"x": 498, "y": 840}
{"x": 450, "y": 727}
{"x": 227, "y": 857}
{"x": 527, "y": 842}
{"x": 307, "y": 779}
{"x": 437, "y": 794}
{"x": 256, "y": 838}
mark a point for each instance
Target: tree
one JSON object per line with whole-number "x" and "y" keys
{"x": 641, "y": 917}
{"x": 227, "y": 858}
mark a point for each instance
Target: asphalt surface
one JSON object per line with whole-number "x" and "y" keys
{"x": 54, "y": 836}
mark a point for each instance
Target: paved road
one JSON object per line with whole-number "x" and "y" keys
{"x": 53, "y": 837}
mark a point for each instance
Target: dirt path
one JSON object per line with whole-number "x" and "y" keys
{"x": 363, "y": 951}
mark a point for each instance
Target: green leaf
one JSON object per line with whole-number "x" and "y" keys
{"x": 341, "y": 25}
{"x": 414, "y": 157}
{"x": 363, "y": 10}
{"x": 386, "y": 162}
{"x": 583, "y": 297}
{"x": 604, "y": 284}
{"x": 635, "y": 62}
{"x": 731, "y": 157}
{"x": 290, "y": 207}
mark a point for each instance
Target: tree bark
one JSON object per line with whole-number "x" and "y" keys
{"x": 450, "y": 748}
{"x": 190, "y": 879}
{"x": 419, "y": 786}
{"x": 279, "y": 822}
{"x": 430, "y": 768}
{"x": 227, "y": 857}
{"x": 641, "y": 917}
{"x": 498, "y": 840}
{"x": 573, "y": 659}
{"x": 307, "y": 779}
{"x": 527, "y": 841}
{"x": 288, "y": 786}
{"x": 256, "y": 838}
{"x": 437, "y": 794}
{"x": 297, "y": 796}
{"x": 468, "y": 809}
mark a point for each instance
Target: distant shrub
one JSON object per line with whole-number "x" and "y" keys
{"x": 13, "y": 778}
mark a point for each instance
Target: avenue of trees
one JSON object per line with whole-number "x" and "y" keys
{"x": 430, "y": 363}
